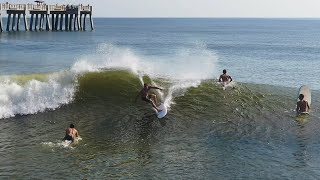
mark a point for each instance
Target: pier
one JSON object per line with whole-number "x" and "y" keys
{"x": 45, "y": 17}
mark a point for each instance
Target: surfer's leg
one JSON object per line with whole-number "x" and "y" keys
{"x": 154, "y": 106}
{"x": 153, "y": 97}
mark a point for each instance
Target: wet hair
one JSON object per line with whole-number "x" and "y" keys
{"x": 301, "y": 96}
{"x": 224, "y": 71}
{"x": 71, "y": 126}
{"x": 145, "y": 84}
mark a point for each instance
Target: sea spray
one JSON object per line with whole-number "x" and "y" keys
{"x": 35, "y": 96}
{"x": 186, "y": 68}
{"x": 183, "y": 70}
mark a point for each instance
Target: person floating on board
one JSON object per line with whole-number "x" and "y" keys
{"x": 150, "y": 98}
{"x": 302, "y": 105}
{"x": 71, "y": 133}
{"x": 224, "y": 77}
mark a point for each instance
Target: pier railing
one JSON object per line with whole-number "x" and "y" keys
{"x": 43, "y": 7}
{"x": 70, "y": 14}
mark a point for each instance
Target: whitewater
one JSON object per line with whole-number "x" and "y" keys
{"x": 25, "y": 94}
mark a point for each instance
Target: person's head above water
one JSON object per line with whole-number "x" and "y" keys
{"x": 71, "y": 126}
{"x": 301, "y": 96}
{"x": 145, "y": 85}
{"x": 224, "y": 71}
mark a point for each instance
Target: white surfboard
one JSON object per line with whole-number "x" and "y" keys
{"x": 305, "y": 90}
{"x": 163, "y": 111}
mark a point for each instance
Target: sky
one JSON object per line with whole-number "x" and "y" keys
{"x": 197, "y": 8}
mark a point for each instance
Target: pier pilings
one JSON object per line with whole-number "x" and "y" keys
{"x": 46, "y": 17}
{"x": 1, "y": 26}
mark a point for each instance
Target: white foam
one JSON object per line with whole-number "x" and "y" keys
{"x": 184, "y": 69}
{"x": 187, "y": 64}
{"x": 35, "y": 96}
{"x": 178, "y": 89}
{"x": 108, "y": 56}
{"x": 61, "y": 144}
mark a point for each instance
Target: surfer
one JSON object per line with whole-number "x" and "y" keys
{"x": 302, "y": 105}
{"x": 150, "y": 98}
{"x": 224, "y": 77}
{"x": 71, "y": 133}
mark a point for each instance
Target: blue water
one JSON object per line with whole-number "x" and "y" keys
{"x": 51, "y": 79}
{"x": 265, "y": 51}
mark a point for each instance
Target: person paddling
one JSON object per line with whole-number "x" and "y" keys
{"x": 71, "y": 133}
{"x": 302, "y": 105}
{"x": 224, "y": 77}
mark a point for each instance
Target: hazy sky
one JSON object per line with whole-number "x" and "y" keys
{"x": 198, "y": 8}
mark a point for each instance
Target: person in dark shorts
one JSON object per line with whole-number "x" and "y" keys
{"x": 71, "y": 133}
{"x": 149, "y": 98}
{"x": 225, "y": 77}
{"x": 302, "y": 105}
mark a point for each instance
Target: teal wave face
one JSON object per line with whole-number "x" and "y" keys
{"x": 112, "y": 85}
{"x": 208, "y": 99}
{"x": 247, "y": 110}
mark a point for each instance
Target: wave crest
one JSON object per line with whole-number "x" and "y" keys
{"x": 39, "y": 92}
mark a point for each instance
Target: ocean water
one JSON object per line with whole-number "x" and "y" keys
{"x": 250, "y": 131}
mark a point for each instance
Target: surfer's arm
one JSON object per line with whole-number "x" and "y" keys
{"x": 230, "y": 78}
{"x": 220, "y": 78}
{"x": 298, "y": 107}
{"x": 77, "y": 134}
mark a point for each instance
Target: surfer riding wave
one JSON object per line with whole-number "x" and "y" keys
{"x": 148, "y": 97}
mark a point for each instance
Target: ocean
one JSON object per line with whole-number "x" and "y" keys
{"x": 250, "y": 131}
